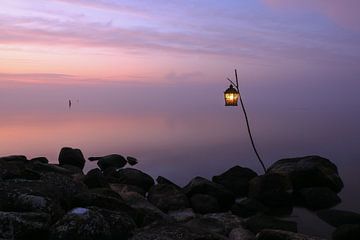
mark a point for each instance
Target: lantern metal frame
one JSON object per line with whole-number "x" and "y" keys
{"x": 236, "y": 86}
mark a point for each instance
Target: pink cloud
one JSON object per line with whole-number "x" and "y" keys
{"x": 343, "y": 12}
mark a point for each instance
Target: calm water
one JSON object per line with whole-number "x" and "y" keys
{"x": 183, "y": 130}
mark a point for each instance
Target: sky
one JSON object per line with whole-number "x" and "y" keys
{"x": 112, "y": 41}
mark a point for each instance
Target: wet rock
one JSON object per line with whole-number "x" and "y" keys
{"x": 241, "y": 233}
{"x": 174, "y": 231}
{"x": 248, "y": 207}
{"x": 236, "y": 179}
{"x": 167, "y": 197}
{"x": 131, "y": 160}
{"x": 71, "y": 156}
{"x": 81, "y": 224}
{"x": 110, "y": 161}
{"x": 337, "y": 218}
{"x": 147, "y": 212}
{"x": 274, "y": 191}
{"x": 347, "y": 232}
{"x": 95, "y": 179}
{"x": 182, "y": 215}
{"x": 163, "y": 180}
{"x": 130, "y": 176}
{"x": 207, "y": 224}
{"x": 23, "y": 226}
{"x": 227, "y": 220}
{"x": 260, "y": 222}
{"x": 268, "y": 234}
{"x": 309, "y": 171}
{"x": 202, "y": 203}
{"x": 124, "y": 188}
{"x": 317, "y": 198}
{"x": 40, "y": 160}
{"x": 200, "y": 185}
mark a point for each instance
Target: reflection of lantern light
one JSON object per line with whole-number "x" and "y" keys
{"x": 231, "y": 96}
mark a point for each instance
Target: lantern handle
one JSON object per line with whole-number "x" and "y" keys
{"x": 232, "y": 83}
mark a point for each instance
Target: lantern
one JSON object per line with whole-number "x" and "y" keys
{"x": 231, "y": 96}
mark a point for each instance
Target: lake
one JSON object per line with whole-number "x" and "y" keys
{"x": 182, "y": 130}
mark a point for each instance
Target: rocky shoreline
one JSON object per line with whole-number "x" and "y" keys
{"x": 39, "y": 200}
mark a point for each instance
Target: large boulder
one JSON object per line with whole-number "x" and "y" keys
{"x": 95, "y": 179}
{"x": 110, "y": 161}
{"x": 347, "y": 232}
{"x": 202, "y": 203}
{"x": 317, "y": 198}
{"x": 274, "y": 191}
{"x": 131, "y": 160}
{"x": 163, "y": 180}
{"x": 71, "y": 156}
{"x": 17, "y": 167}
{"x": 200, "y": 185}
{"x": 227, "y": 220}
{"x": 271, "y": 234}
{"x": 182, "y": 215}
{"x": 248, "y": 207}
{"x": 23, "y": 226}
{"x": 167, "y": 197}
{"x": 337, "y": 218}
{"x": 236, "y": 179}
{"x": 130, "y": 176}
{"x": 241, "y": 233}
{"x": 309, "y": 171}
{"x": 260, "y": 222}
{"x": 81, "y": 224}
{"x": 13, "y": 158}
{"x": 125, "y": 188}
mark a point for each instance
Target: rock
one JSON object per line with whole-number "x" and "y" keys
{"x": 81, "y": 224}
{"x": 309, "y": 171}
{"x": 269, "y": 234}
{"x": 207, "y": 224}
{"x": 95, "y": 179}
{"x": 227, "y": 220}
{"x": 131, "y": 160}
{"x": 121, "y": 224}
{"x": 14, "y": 158}
{"x": 110, "y": 161}
{"x": 241, "y": 233}
{"x": 163, "y": 180}
{"x": 260, "y": 222}
{"x": 147, "y": 212}
{"x": 248, "y": 207}
{"x": 15, "y": 167}
{"x": 174, "y": 231}
{"x": 23, "y": 226}
{"x": 124, "y": 188}
{"x": 317, "y": 198}
{"x": 167, "y": 197}
{"x": 337, "y": 218}
{"x": 73, "y": 169}
{"x": 71, "y": 156}
{"x": 236, "y": 179}
{"x": 347, "y": 232}
{"x": 130, "y": 176}
{"x": 201, "y": 185}
{"x": 202, "y": 203}
{"x": 45, "y": 168}
{"x": 40, "y": 160}
{"x": 182, "y": 215}
{"x": 274, "y": 191}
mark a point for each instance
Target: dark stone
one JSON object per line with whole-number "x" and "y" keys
{"x": 45, "y": 168}
{"x": 23, "y": 226}
{"x": 167, "y": 197}
{"x": 14, "y": 158}
{"x": 337, "y": 218}
{"x": 248, "y": 207}
{"x": 124, "y": 188}
{"x": 202, "y": 203}
{"x": 227, "y": 220}
{"x": 274, "y": 191}
{"x": 95, "y": 179}
{"x": 236, "y": 179}
{"x": 131, "y": 160}
{"x": 163, "y": 180}
{"x": 130, "y": 176}
{"x": 317, "y": 198}
{"x": 271, "y": 234}
{"x": 309, "y": 171}
{"x": 174, "y": 231}
{"x": 347, "y": 232}
{"x": 207, "y": 224}
{"x": 71, "y": 156}
{"x": 40, "y": 160}
{"x": 201, "y": 185}
{"x": 73, "y": 169}
{"x": 110, "y": 161}
{"x": 81, "y": 224}
{"x": 15, "y": 167}
{"x": 260, "y": 222}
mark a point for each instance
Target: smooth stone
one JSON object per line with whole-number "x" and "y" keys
{"x": 337, "y": 218}
{"x": 71, "y": 156}
{"x": 318, "y": 198}
{"x": 202, "y": 203}
{"x": 182, "y": 215}
{"x": 248, "y": 207}
{"x": 260, "y": 222}
{"x": 40, "y": 160}
{"x": 110, "y": 161}
{"x": 131, "y": 160}
{"x": 167, "y": 197}
{"x": 241, "y": 233}
{"x": 124, "y": 188}
{"x": 163, "y": 180}
{"x": 95, "y": 179}
{"x": 347, "y": 232}
{"x": 271, "y": 234}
